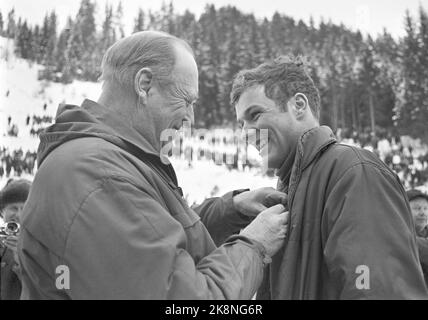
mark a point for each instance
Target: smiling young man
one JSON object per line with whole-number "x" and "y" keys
{"x": 351, "y": 233}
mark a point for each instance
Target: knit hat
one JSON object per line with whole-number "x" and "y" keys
{"x": 14, "y": 191}
{"x": 414, "y": 193}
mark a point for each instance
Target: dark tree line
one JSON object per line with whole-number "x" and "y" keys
{"x": 366, "y": 83}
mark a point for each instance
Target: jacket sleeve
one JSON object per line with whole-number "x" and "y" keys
{"x": 220, "y": 217}
{"x": 125, "y": 245}
{"x": 370, "y": 248}
{"x": 423, "y": 250}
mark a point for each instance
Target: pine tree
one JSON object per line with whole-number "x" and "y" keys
{"x": 80, "y": 53}
{"x": 139, "y": 21}
{"x": 20, "y": 38}
{"x": 11, "y": 25}
{"x": 387, "y": 54}
{"x": 35, "y": 43}
{"x": 108, "y": 35}
{"x": 409, "y": 102}
{"x": 368, "y": 75}
{"x": 422, "y": 112}
{"x": 51, "y": 40}
{"x": 17, "y": 28}
{"x": 1, "y": 24}
{"x": 43, "y": 40}
{"x": 228, "y": 70}
{"x": 61, "y": 49}
{"x": 266, "y": 46}
{"x": 120, "y": 32}
{"x": 208, "y": 62}
{"x": 169, "y": 19}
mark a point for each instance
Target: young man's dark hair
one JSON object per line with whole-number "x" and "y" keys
{"x": 282, "y": 79}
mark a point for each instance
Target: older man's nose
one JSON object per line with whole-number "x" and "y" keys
{"x": 244, "y": 130}
{"x": 191, "y": 115}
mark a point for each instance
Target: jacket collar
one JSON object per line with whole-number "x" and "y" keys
{"x": 120, "y": 127}
{"x": 95, "y": 120}
{"x": 310, "y": 144}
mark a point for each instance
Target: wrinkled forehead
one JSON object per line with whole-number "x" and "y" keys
{"x": 186, "y": 83}
{"x": 185, "y": 65}
{"x": 419, "y": 201}
{"x": 184, "y": 75}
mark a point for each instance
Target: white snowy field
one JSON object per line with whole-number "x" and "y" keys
{"x": 27, "y": 96}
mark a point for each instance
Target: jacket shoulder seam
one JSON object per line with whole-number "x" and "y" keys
{"x": 77, "y": 211}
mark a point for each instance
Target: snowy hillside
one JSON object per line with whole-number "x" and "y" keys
{"x": 22, "y": 95}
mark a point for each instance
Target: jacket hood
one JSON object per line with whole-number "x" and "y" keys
{"x": 91, "y": 120}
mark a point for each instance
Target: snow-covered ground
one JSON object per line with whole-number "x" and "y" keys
{"x": 27, "y": 96}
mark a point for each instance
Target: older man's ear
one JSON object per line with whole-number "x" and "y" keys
{"x": 143, "y": 83}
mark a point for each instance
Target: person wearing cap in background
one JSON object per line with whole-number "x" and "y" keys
{"x": 419, "y": 207}
{"x": 12, "y": 200}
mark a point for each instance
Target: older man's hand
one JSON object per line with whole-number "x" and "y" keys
{"x": 269, "y": 229}
{"x": 251, "y": 203}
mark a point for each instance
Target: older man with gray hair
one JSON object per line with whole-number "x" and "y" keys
{"x": 108, "y": 220}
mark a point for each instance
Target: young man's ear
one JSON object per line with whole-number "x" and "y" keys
{"x": 143, "y": 82}
{"x": 301, "y": 104}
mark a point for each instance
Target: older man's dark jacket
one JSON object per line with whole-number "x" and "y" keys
{"x": 351, "y": 231}
{"x": 108, "y": 221}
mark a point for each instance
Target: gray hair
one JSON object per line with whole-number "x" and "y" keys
{"x": 145, "y": 49}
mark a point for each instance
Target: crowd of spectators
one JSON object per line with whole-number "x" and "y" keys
{"x": 406, "y": 157}
{"x": 15, "y": 162}
{"x": 225, "y": 148}
{"x": 36, "y": 123}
